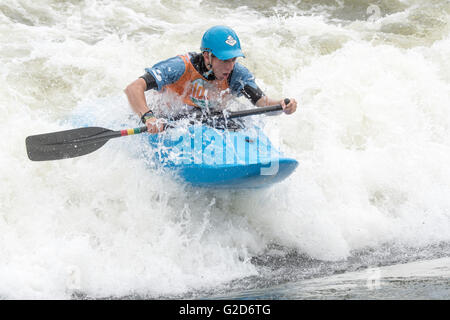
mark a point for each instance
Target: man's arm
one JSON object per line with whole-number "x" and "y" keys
{"x": 156, "y": 77}
{"x": 243, "y": 82}
{"x": 136, "y": 97}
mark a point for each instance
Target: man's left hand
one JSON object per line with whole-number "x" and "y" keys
{"x": 289, "y": 108}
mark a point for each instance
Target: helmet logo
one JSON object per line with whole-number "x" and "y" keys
{"x": 230, "y": 41}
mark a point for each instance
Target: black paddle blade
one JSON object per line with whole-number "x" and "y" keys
{"x": 67, "y": 144}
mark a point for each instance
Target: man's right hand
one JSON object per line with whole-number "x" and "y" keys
{"x": 155, "y": 125}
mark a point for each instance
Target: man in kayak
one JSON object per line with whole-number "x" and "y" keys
{"x": 201, "y": 80}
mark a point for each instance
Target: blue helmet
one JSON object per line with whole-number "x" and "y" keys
{"x": 222, "y": 42}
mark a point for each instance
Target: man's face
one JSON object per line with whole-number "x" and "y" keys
{"x": 221, "y": 68}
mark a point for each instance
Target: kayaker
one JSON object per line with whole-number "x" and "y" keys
{"x": 201, "y": 80}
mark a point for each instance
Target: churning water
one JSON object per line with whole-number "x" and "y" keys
{"x": 371, "y": 135}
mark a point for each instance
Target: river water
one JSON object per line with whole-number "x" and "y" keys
{"x": 371, "y": 135}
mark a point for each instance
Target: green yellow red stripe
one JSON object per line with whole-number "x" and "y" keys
{"x": 128, "y": 132}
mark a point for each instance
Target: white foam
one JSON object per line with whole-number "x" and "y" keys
{"x": 371, "y": 135}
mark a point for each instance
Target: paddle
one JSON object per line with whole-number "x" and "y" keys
{"x": 78, "y": 142}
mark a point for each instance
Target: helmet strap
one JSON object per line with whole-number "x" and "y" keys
{"x": 209, "y": 66}
{"x": 210, "y": 60}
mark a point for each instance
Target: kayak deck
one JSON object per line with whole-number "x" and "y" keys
{"x": 208, "y": 157}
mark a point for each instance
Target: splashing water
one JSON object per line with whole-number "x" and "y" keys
{"x": 371, "y": 135}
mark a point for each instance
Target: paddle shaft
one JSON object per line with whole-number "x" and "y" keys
{"x": 252, "y": 112}
{"x": 236, "y": 114}
{"x": 106, "y": 135}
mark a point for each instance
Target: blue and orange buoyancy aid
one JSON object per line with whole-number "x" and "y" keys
{"x": 195, "y": 90}
{"x": 185, "y": 79}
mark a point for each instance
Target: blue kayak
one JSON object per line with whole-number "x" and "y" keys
{"x": 221, "y": 158}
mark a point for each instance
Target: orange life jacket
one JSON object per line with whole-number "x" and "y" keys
{"x": 195, "y": 90}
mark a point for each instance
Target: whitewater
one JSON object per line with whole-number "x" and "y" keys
{"x": 371, "y": 135}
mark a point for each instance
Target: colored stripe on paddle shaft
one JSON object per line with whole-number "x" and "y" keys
{"x": 129, "y": 132}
